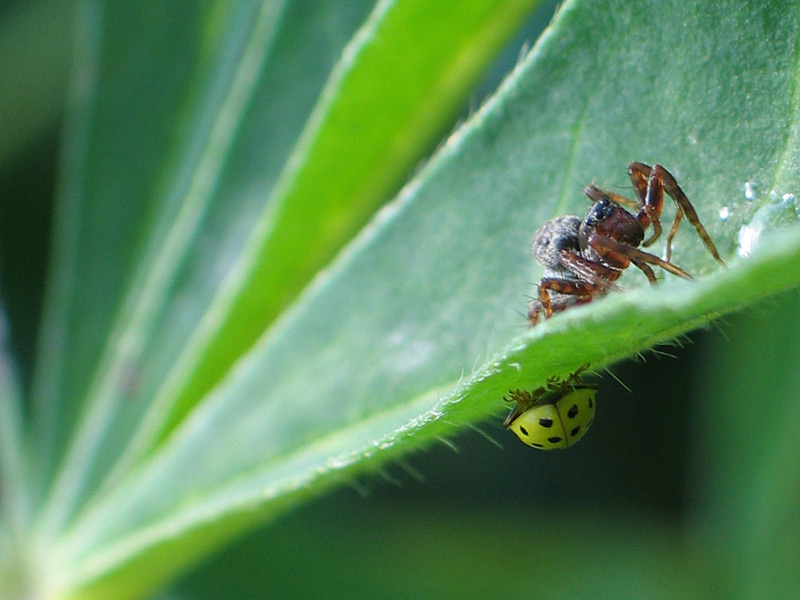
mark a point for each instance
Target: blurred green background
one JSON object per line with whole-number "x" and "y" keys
{"x": 686, "y": 486}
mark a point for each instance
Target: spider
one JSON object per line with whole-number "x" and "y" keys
{"x": 583, "y": 258}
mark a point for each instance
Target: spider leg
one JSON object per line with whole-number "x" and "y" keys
{"x": 661, "y": 179}
{"x": 624, "y": 254}
{"x": 645, "y": 268}
{"x": 557, "y": 304}
{"x": 571, "y": 292}
{"x": 594, "y": 193}
{"x": 588, "y": 270}
{"x": 619, "y": 254}
{"x": 650, "y": 191}
{"x": 672, "y": 231}
{"x": 638, "y": 173}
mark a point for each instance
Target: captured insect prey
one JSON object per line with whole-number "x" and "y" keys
{"x": 554, "y": 416}
{"x": 583, "y": 258}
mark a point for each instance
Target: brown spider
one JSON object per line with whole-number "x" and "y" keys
{"x": 583, "y": 258}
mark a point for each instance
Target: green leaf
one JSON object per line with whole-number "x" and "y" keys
{"x": 414, "y": 329}
{"x": 361, "y": 140}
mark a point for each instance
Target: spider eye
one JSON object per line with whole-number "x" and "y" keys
{"x": 599, "y": 212}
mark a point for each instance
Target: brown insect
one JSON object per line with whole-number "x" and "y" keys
{"x": 584, "y": 257}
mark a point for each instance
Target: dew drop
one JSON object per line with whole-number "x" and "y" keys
{"x": 749, "y": 190}
{"x": 748, "y": 239}
{"x": 780, "y": 211}
{"x": 724, "y": 213}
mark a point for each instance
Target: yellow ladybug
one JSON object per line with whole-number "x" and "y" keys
{"x": 555, "y": 416}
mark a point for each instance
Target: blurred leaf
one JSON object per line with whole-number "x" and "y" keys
{"x": 14, "y": 498}
{"x": 137, "y": 181}
{"x": 747, "y": 470}
{"x": 12, "y": 485}
{"x": 413, "y": 329}
{"x": 35, "y": 49}
{"x": 457, "y": 551}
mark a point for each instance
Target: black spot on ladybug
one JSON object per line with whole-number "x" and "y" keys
{"x": 573, "y": 411}
{"x": 524, "y": 431}
{"x": 575, "y": 431}
{"x": 535, "y": 445}
{"x": 591, "y": 402}
{"x": 546, "y": 422}
{"x": 554, "y": 440}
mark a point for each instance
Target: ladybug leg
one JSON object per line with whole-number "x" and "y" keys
{"x": 524, "y": 401}
{"x": 574, "y": 379}
{"x": 577, "y": 374}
